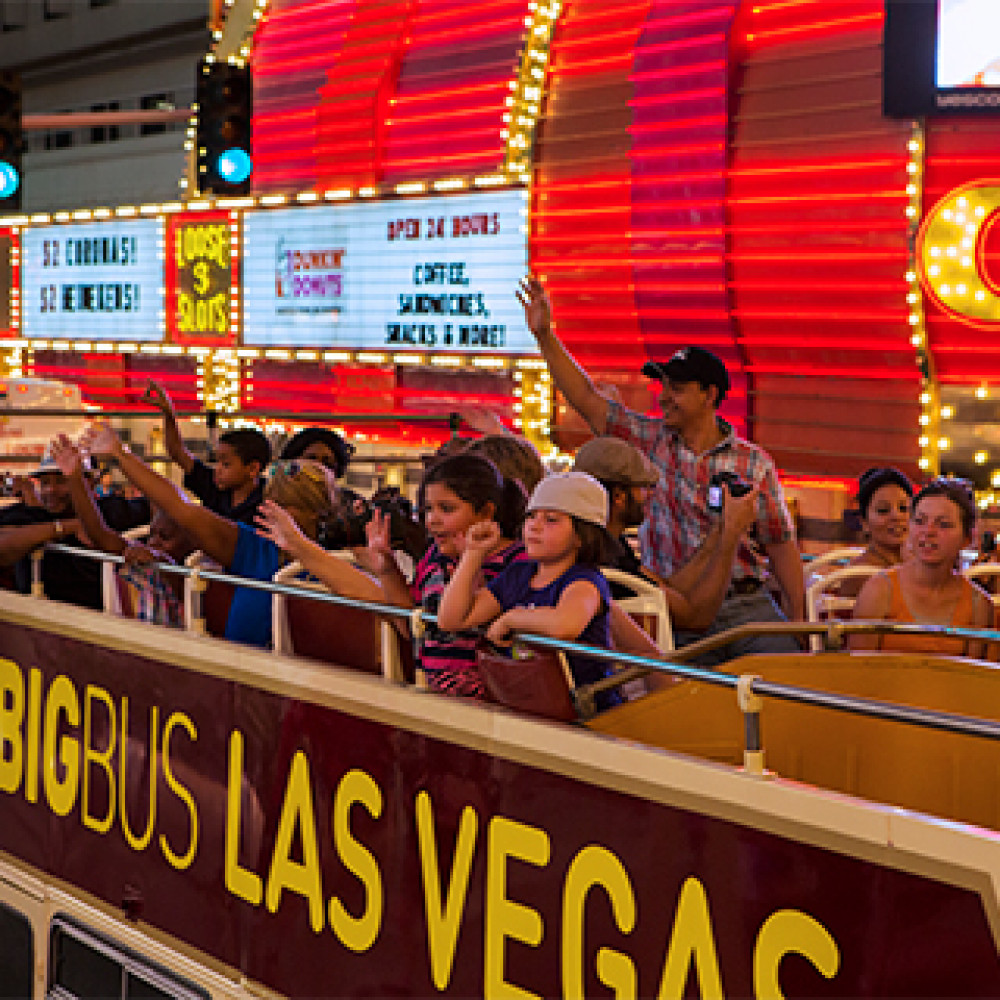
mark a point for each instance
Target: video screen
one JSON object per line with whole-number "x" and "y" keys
{"x": 968, "y": 43}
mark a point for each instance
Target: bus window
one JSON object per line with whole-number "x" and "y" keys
{"x": 85, "y": 964}
{"x": 17, "y": 957}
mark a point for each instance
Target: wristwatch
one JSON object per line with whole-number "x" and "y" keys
{"x": 58, "y": 525}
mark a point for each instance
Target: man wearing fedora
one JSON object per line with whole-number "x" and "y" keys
{"x": 690, "y": 446}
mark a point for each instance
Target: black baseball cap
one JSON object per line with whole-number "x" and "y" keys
{"x": 691, "y": 364}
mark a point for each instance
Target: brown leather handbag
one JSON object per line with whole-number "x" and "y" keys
{"x": 533, "y": 681}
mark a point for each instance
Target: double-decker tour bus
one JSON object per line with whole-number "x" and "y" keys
{"x": 185, "y": 817}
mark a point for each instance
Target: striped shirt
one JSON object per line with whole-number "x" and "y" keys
{"x": 448, "y": 659}
{"x": 677, "y": 518}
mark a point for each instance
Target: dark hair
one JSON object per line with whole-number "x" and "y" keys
{"x": 595, "y": 542}
{"x": 959, "y": 492}
{"x": 477, "y": 481}
{"x": 249, "y": 444}
{"x": 874, "y": 479}
{"x": 296, "y": 445}
{"x": 515, "y": 457}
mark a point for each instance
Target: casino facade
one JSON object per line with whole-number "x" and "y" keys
{"x": 706, "y": 172}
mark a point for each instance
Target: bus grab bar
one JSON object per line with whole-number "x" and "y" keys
{"x": 745, "y": 685}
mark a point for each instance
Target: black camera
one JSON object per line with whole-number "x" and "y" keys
{"x": 716, "y": 493}
{"x": 345, "y": 527}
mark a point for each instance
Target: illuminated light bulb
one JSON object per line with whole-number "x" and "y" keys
{"x": 966, "y": 243}
{"x": 952, "y": 251}
{"x": 924, "y": 463}
{"x": 982, "y": 392}
{"x": 962, "y": 289}
{"x": 947, "y": 215}
{"x": 934, "y": 270}
{"x": 980, "y": 211}
{"x": 911, "y": 276}
{"x": 963, "y": 202}
{"x": 966, "y": 263}
{"x": 945, "y": 289}
{"x": 925, "y": 419}
{"x": 911, "y": 189}
{"x": 914, "y": 319}
{"x": 934, "y": 251}
{"x": 911, "y": 168}
{"x": 944, "y": 444}
{"x": 924, "y": 441}
{"x": 947, "y": 412}
{"x": 980, "y": 295}
{"x": 912, "y": 298}
{"x": 917, "y": 339}
{"x": 995, "y": 478}
{"x": 980, "y": 457}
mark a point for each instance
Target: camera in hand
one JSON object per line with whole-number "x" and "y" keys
{"x": 717, "y": 493}
{"x": 345, "y": 527}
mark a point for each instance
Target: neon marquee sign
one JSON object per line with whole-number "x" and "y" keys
{"x": 956, "y": 269}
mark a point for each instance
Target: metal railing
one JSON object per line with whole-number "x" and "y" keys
{"x": 749, "y": 688}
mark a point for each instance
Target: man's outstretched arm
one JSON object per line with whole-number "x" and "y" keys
{"x": 570, "y": 379}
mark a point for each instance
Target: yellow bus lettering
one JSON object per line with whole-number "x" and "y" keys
{"x": 597, "y": 866}
{"x": 443, "y": 922}
{"x": 357, "y": 933}
{"x": 506, "y": 918}
{"x": 304, "y": 878}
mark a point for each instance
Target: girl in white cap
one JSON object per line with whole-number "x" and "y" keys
{"x": 557, "y": 590}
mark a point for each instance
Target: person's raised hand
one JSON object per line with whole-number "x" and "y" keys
{"x": 277, "y": 525}
{"x": 157, "y": 395}
{"x": 481, "y": 538}
{"x": 536, "y": 305}
{"x": 66, "y": 455}
{"x": 377, "y": 556}
{"x": 100, "y": 439}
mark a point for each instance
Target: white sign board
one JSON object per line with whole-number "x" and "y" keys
{"x": 424, "y": 274}
{"x": 94, "y": 281}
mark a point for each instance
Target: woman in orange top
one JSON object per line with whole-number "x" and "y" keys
{"x": 927, "y": 588}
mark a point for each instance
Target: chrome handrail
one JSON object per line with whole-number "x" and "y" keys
{"x": 926, "y": 718}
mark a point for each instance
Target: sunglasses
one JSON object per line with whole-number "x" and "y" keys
{"x": 290, "y": 468}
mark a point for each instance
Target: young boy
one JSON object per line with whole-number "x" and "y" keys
{"x": 234, "y": 487}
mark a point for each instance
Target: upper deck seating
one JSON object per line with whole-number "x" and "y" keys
{"x": 216, "y": 598}
{"x": 648, "y": 606}
{"x": 333, "y": 633}
{"x": 823, "y": 602}
{"x": 829, "y": 561}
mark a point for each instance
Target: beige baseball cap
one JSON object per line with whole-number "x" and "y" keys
{"x": 575, "y": 493}
{"x": 616, "y": 461}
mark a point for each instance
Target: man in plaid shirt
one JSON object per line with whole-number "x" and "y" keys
{"x": 690, "y": 445}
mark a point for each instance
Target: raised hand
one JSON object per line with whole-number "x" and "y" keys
{"x": 377, "y": 557}
{"x": 537, "y": 308}
{"x": 157, "y": 395}
{"x": 479, "y": 418}
{"x": 481, "y": 538}
{"x": 100, "y": 439}
{"x": 66, "y": 455}
{"x": 277, "y": 525}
